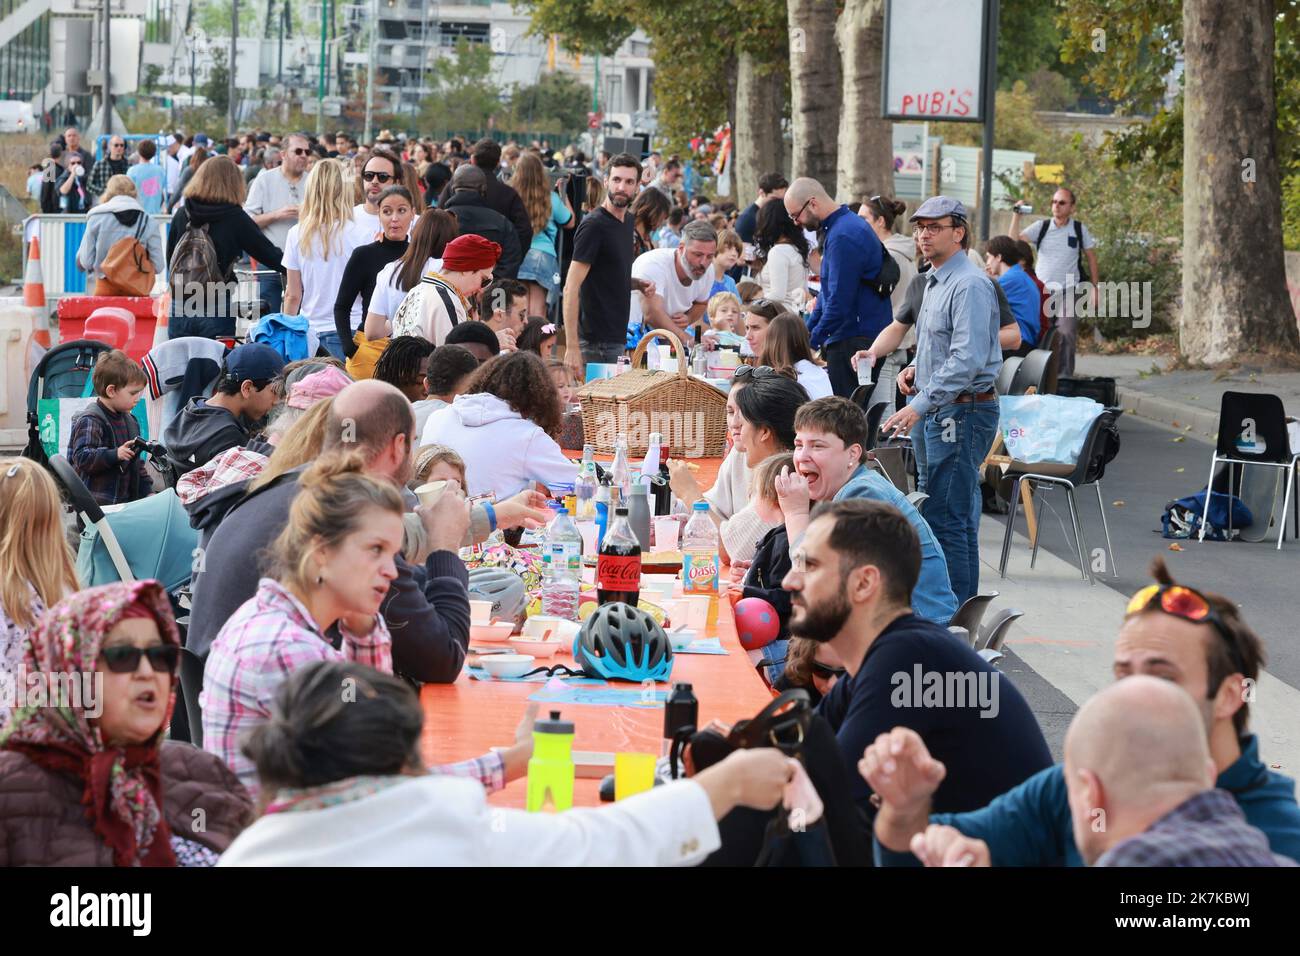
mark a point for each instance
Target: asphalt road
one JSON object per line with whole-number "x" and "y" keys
{"x": 1154, "y": 467}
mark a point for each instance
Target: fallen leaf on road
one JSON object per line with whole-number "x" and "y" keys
{"x": 1176, "y": 425}
{"x": 1188, "y": 428}
{"x": 1117, "y": 504}
{"x": 1175, "y": 547}
{"x": 1179, "y": 470}
{"x": 1275, "y": 766}
{"x": 1179, "y": 438}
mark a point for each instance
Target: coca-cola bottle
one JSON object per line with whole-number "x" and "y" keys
{"x": 618, "y": 569}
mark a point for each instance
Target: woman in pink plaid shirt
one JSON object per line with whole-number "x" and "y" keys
{"x": 333, "y": 564}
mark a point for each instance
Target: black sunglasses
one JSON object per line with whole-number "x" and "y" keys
{"x": 826, "y": 671}
{"x": 300, "y": 152}
{"x": 125, "y": 658}
{"x": 381, "y": 177}
{"x": 757, "y": 371}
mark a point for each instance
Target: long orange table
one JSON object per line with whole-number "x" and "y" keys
{"x": 464, "y": 719}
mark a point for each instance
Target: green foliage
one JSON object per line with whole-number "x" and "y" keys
{"x": 1014, "y": 125}
{"x": 557, "y": 102}
{"x": 214, "y": 17}
{"x": 694, "y": 47}
{"x": 1291, "y": 211}
{"x": 465, "y": 96}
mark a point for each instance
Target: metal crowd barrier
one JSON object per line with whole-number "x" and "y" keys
{"x": 60, "y": 236}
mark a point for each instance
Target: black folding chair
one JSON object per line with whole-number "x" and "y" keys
{"x": 1007, "y": 375}
{"x": 1033, "y": 372}
{"x": 1252, "y": 431}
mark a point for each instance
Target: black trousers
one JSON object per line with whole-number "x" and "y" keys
{"x": 844, "y": 379}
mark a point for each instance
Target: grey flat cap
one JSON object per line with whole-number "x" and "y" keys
{"x": 936, "y": 207}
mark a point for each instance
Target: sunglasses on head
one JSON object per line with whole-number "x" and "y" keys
{"x": 745, "y": 371}
{"x": 371, "y": 177}
{"x": 125, "y": 658}
{"x": 1188, "y": 604}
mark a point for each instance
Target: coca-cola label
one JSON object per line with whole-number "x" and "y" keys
{"x": 618, "y": 573}
{"x": 699, "y": 572}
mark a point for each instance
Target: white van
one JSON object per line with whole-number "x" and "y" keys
{"x": 16, "y": 117}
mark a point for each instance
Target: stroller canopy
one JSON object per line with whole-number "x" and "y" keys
{"x": 63, "y": 370}
{"x": 155, "y": 536}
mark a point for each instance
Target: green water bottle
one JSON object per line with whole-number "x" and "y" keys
{"x": 550, "y": 770}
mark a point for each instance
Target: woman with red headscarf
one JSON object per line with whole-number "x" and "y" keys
{"x": 441, "y": 300}
{"x": 86, "y": 778}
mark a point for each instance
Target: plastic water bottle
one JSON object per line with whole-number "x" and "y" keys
{"x": 700, "y": 557}
{"x": 638, "y": 515}
{"x": 561, "y": 568}
{"x": 585, "y": 490}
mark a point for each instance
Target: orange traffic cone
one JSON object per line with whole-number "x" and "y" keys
{"x": 34, "y": 293}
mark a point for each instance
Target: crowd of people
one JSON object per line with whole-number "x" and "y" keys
{"x": 452, "y": 297}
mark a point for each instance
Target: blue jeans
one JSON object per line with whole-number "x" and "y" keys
{"x": 331, "y": 343}
{"x": 270, "y": 289}
{"x": 957, "y": 439}
{"x": 606, "y": 353}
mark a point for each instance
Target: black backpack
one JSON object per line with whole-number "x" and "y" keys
{"x": 194, "y": 260}
{"x": 887, "y": 278}
{"x": 1078, "y": 235}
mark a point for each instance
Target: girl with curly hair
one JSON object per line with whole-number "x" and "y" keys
{"x": 505, "y": 427}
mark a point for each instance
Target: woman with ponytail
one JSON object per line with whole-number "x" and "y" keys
{"x": 331, "y": 568}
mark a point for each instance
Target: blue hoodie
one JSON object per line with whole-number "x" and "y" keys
{"x": 932, "y": 598}
{"x": 1030, "y": 825}
{"x": 846, "y": 307}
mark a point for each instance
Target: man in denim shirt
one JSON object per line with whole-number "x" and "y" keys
{"x": 955, "y": 411}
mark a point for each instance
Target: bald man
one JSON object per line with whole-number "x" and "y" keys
{"x": 1216, "y": 659}
{"x": 1141, "y": 789}
{"x": 850, "y": 313}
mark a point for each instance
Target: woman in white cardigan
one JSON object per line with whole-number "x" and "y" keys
{"x": 343, "y": 785}
{"x": 784, "y": 248}
{"x": 505, "y": 427}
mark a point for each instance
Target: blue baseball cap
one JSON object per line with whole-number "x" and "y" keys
{"x": 936, "y": 207}
{"x": 254, "y": 362}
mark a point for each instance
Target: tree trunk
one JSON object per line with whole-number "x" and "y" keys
{"x": 1235, "y": 302}
{"x": 866, "y": 155}
{"x": 758, "y": 125}
{"x": 814, "y": 90}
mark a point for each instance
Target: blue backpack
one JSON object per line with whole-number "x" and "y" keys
{"x": 287, "y": 334}
{"x": 1182, "y": 518}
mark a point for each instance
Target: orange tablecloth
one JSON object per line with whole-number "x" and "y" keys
{"x": 464, "y": 719}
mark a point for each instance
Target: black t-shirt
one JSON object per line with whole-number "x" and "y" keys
{"x": 989, "y": 744}
{"x": 605, "y": 298}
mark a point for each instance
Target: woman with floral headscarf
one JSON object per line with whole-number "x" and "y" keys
{"x": 86, "y": 778}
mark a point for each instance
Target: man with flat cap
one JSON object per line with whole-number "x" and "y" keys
{"x": 954, "y": 416}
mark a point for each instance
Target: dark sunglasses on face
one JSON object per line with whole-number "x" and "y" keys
{"x": 826, "y": 672}
{"x": 300, "y": 151}
{"x": 125, "y": 658}
{"x": 371, "y": 177}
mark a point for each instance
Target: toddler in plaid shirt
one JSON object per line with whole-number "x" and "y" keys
{"x": 101, "y": 448}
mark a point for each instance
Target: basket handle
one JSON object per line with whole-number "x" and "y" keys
{"x": 639, "y": 352}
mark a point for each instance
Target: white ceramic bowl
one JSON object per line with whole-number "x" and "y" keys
{"x": 507, "y": 665}
{"x": 491, "y": 633}
{"x": 538, "y": 648}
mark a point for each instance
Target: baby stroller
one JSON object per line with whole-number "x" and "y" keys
{"x": 146, "y": 539}
{"x": 64, "y": 372}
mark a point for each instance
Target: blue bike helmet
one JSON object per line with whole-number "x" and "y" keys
{"x": 621, "y": 642}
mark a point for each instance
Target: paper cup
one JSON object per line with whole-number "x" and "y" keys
{"x": 667, "y": 530}
{"x": 543, "y": 627}
{"x": 430, "y": 492}
{"x": 480, "y": 612}
{"x": 695, "y": 608}
{"x": 587, "y": 528}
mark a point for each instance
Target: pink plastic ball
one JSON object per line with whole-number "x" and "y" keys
{"x": 757, "y": 623}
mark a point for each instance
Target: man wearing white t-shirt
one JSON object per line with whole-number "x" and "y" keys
{"x": 273, "y": 202}
{"x": 1061, "y": 243}
{"x": 382, "y": 169}
{"x": 682, "y": 277}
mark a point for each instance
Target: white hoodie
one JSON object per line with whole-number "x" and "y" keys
{"x": 503, "y": 451}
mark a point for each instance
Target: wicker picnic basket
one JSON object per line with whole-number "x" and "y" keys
{"x": 691, "y": 415}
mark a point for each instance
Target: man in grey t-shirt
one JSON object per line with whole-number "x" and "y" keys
{"x": 273, "y": 201}
{"x": 1061, "y": 245}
